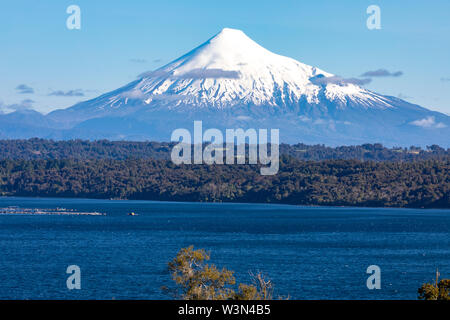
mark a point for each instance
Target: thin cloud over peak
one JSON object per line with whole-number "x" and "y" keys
{"x": 69, "y": 93}
{"x": 195, "y": 74}
{"x": 24, "y": 89}
{"x": 137, "y": 60}
{"x": 381, "y": 73}
{"x": 322, "y": 80}
{"x": 26, "y": 104}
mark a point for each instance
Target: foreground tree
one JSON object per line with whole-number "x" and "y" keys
{"x": 438, "y": 291}
{"x": 260, "y": 289}
{"x": 197, "y": 280}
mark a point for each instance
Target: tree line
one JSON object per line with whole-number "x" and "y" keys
{"x": 414, "y": 184}
{"x": 120, "y": 150}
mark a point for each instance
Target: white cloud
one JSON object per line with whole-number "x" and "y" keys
{"x": 138, "y": 60}
{"x": 243, "y": 118}
{"x": 322, "y": 80}
{"x": 429, "y": 122}
{"x": 319, "y": 121}
{"x": 133, "y": 94}
{"x": 69, "y": 93}
{"x": 26, "y": 104}
{"x": 24, "y": 89}
{"x": 382, "y": 73}
{"x": 171, "y": 97}
{"x": 304, "y": 118}
{"x": 194, "y": 74}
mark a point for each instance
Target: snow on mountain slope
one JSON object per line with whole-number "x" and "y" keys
{"x": 231, "y": 69}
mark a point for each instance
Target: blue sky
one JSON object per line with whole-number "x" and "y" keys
{"x": 47, "y": 66}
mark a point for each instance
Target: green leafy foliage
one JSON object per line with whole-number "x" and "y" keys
{"x": 197, "y": 280}
{"x": 330, "y": 182}
{"x": 441, "y": 291}
{"x": 120, "y": 150}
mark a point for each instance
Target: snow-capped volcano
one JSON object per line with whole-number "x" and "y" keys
{"x": 230, "y": 81}
{"x": 231, "y": 69}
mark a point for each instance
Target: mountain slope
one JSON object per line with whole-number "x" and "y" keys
{"x": 230, "y": 81}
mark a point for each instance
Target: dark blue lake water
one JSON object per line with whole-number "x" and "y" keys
{"x": 309, "y": 253}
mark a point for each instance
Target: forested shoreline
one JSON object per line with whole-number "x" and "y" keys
{"x": 34, "y": 149}
{"x": 415, "y": 184}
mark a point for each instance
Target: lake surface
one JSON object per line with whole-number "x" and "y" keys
{"x": 308, "y": 252}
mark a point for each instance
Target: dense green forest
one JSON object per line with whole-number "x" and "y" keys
{"x": 120, "y": 150}
{"x": 424, "y": 183}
